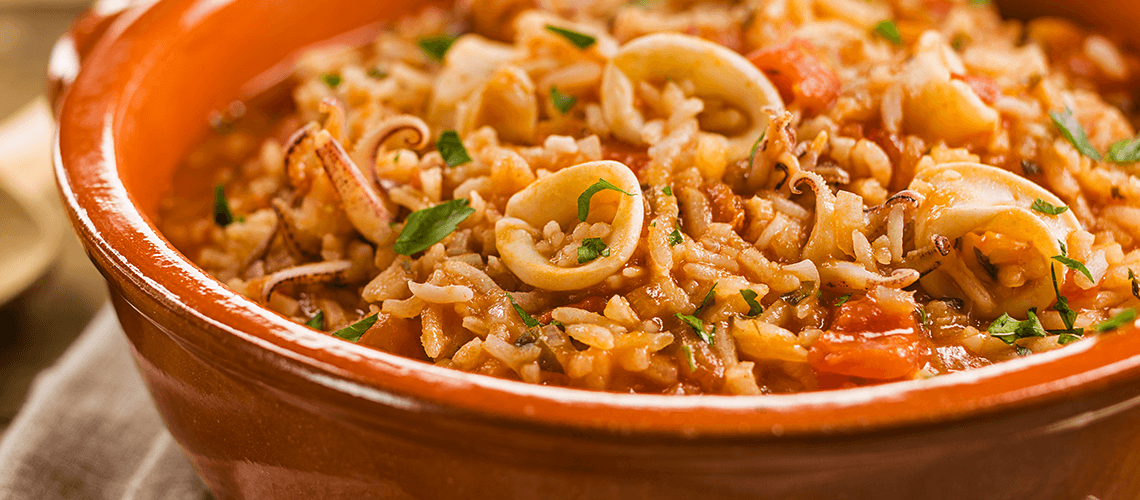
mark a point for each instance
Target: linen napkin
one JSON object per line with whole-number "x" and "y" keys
{"x": 89, "y": 430}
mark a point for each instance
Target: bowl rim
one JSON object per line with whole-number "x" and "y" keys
{"x": 133, "y": 254}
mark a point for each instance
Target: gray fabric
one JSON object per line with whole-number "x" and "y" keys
{"x": 89, "y": 431}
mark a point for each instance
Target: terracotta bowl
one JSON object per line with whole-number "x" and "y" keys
{"x": 265, "y": 408}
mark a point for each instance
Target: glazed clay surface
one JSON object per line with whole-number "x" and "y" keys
{"x": 268, "y": 409}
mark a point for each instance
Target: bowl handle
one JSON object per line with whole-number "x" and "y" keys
{"x": 69, "y": 52}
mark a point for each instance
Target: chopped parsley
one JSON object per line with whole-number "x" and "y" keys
{"x": 710, "y": 299}
{"x": 588, "y": 194}
{"x": 675, "y": 237}
{"x": 889, "y": 31}
{"x": 435, "y": 47}
{"x": 755, "y": 147}
{"x": 562, "y": 102}
{"x": 984, "y": 261}
{"x": 1072, "y": 130}
{"x": 424, "y": 228}
{"x": 689, "y": 358}
{"x": 1117, "y": 321}
{"x": 1010, "y": 330}
{"x": 353, "y": 332}
{"x": 223, "y": 216}
{"x": 592, "y": 248}
{"x": 794, "y": 297}
{"x": 979, "y": 3}
{"x": 332, "y": 79}
{"x": 1030, "y": 167}
{"x": 842, "y": 299}
{"x": 1067, "y": 338}
{"x": 1125, "y": 151}
{"x": 526, "y": 318}
{"x": 451, "y": 149}
{"x": 1068, "y": 315}
{"x": 921, "y": 316}
{"x": 317, "y": 322}
{"x": 1048, "y": 208}
{"x": 1075, "y": 265}
{"x": 754, "y": 307}
{"x": 958, "y": 43}
{"x": 668, "y": 190}
{"x": 577, "y": 39}
{"x": 378, "y": 73}
{"x": 698, "y": 326}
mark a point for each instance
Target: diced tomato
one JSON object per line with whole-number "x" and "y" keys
{"x": 800, "y": 73}
{"x": 726, "y": 205}
{"x": 985, "y": 87}
{"x": 1076, "y": 295}
{"x": 938, "y": 9}
{"x": 395, "y": 335}
{"x": 730, "y": 38}
{"x": 636, "y": 158}
{"x": 867, "y": 342}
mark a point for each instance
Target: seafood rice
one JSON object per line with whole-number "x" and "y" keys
{"x": 766, "y": 196}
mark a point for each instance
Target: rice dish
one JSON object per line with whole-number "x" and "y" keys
{"x": 756, "y": 197}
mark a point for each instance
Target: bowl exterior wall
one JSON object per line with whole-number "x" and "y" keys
{"x": 250, "y": 441}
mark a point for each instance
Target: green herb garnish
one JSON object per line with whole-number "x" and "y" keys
{"x": 1117, "y": 321}
{"x": 698, "y": 326}
{"x": 436, "y": 47}
{"x": 1068, "y": 315}
{"x": 1048, "y": 208}
{"x": 1072, "y": 130}
{"x": 591, "y": 248}
{"x": 562, "y": 102}
{"x": 668, "y": 190}
{"x": 1075, "y": 265}
{"x": 675, "y": 237}
{"x": 921, "y": 316}
{"x": 689, "y": 357}
{"x": 451, "y": 149}
{"x": 1067, "y": 338}
{"x": 979, "y": 3}
{"x": 377, "y": 73}
{"x": 958, "y": 43}
{"x": 842, "y": 299}
{"x": 1030, "y": 167}
{"x": 526, "y": 318}
{"x": 754, "y": 307}
{"x": 577, "y": 39}
{"x": 889, "y": 31}
{"x": 317, "y": 322}
{"x": 424, "y": 228}
{"x": 223, "y": 216}
{"x": 1125, "y": 151}
{"x": 1135, "y": 284}
{"x": 796, "y": 296}
{"x": 332, "y": 79}
{"x": 353, "y": 332}
{"x": 984, "y": 261}
{"x": 710, "y": 299}
{"x": 1009, "y": 330}
{"x": 588, "y": 194}
{"x": 756, "y": 146}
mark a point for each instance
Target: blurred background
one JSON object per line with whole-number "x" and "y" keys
{"x": 48, "y": 288}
